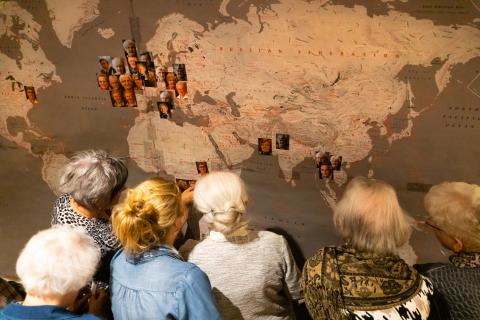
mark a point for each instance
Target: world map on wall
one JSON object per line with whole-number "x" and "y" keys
{"x": 391, "y": 87}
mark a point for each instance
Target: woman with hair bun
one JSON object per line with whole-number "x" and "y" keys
{"x": 253, "y": 273}
{"x": 149, "y": 278}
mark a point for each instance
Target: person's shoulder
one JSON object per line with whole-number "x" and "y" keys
{"x": 270, "y": 236}
{"x": 188, "y": 247}
{"x": 429, "y": 268}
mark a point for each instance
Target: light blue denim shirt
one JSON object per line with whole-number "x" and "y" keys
{"x": 158, "y": 284}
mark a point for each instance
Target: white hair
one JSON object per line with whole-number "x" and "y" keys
{"x": 117, "y": 60}
{"x": 370, "y": 216}
{"x": 222, "y": 197}
{"x": 126, "y": 75}
{"x": 57, "y": 261}
{"x": 127, "y": 42}
{"x": 455, "y": 208}
{"x": 93, "y": 178}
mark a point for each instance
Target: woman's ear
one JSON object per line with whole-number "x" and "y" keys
{"x": 457, "y": 246}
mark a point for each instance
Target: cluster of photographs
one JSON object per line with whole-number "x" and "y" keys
{"x": 282, "y": 142}
{"x": 327, "y": 164}
{"x": 30, "y": 94}
{"x": 202, "y": 169}
{"x": 121, "y": 76}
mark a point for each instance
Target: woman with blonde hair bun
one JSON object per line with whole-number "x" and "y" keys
{"x": 149, "y": 278}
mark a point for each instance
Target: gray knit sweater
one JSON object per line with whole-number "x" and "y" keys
{"x": 253, "y": 276}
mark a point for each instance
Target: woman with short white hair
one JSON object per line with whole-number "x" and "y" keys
{"x": 365, "y": 279}
{"x": 91, "y": 184}
{"x": 54, "y": 265}
{"x": 252, "y": 272}
{"x": 454, "y": 210}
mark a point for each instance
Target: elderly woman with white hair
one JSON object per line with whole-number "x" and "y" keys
{"x": 454, "y": 210}
{"x": 53, "y": 267}
{"x": 253, "y": 273}
{"x": 365, "y": 279}
{"x": 91, "y": 185}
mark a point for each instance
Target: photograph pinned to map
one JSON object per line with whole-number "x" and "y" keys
{"x": 116, "y": 96}
{"x": 132, "y": 65}
{"x": 114, "y": 82}
{"x": 184, "y": 184}
{"x": 105, "y": 63}
{"x": 118, "y": 64}
{"x": 130, "y": 99}
{"x": 148, "y": 76}
{"x": 130, "y": 47}
{"x": 324, "y": 165}
{"x": 265, "y": 146}
{"x": 182, "y": 90}
{"x": 180, "y": 71}
{"x": 282, "y": 141}
{"x": 30, "y": 94}
{"x": 337, "y": 163}
{"x": 170, "y": 81}
{"x": 165, "y": 111}
{"x": 148, "y": 59}
{"x": 168, "y": 96}
{"x": 202, "y": 167}
{"x": 102, "y": 81}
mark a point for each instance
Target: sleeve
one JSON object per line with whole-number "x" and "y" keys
{"x": 198, "y": 295}
{"x": 292, "y": 273}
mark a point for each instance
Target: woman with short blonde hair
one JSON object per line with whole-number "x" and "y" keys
{"x": 365, "y": 278}
{"x": 148, "y": 269}
{"x": 252, "y": 272}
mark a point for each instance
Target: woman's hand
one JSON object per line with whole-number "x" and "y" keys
{"x": 187, "y": 196}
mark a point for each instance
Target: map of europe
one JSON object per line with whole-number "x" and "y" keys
{"x": 392, "y": 87}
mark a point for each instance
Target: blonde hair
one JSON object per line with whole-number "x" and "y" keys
{"x": 143, "y": 219}
{"x": 455, "y": 208}
{"x": 370, "y": 216}
{"x": 222, "y": 196}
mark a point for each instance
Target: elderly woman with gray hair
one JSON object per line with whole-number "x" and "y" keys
{"x": 365, "y": 279}
{"x": 252, "y": 273}
{"x": 53, "y": 267}
{"x": 91, "y": 185}
{"x": 454, "y": 210}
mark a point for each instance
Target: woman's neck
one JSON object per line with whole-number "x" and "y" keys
{"x": 52, "y": 300}
{"x": 85, "y": 212}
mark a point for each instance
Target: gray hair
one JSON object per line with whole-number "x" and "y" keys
{"x": 57, "y": 261}
{"x": 117, "y": 60}
{"x": 370, "y": 216}
{"x": 222, "y": 196}
{"x": 455, "y": 208}
{"x": 93, "y": 178}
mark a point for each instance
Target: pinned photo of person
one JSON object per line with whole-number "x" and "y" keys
{"x": 127, "y": 82}
{"x": 105, "y": 65}
{"x": 141, "y": 67}
{"x": 265, "y": 146}
{"x": 180, "y": 71}
{"x": 151, "y": 79}
{"x": 282, "y": 141}
{"x": 131, "y": 100}
{"x": 167, "y": 96}
{"x": 324, "y": 165}
{"x": 182, "y": 90}
{"x": 132, "y": 64}
{"x": 114, "y": 82}
{"x": 147, "y": 58}
{"x": 184, "y": 184}
{"x": 117, "y": 99}
{"x": 170, "y": 81}
{"x": 130, "y": 48}
{"x": 164, "y": 109}
{"x": 202, "y": 168}
{"x": 102, "y": 81}
{"x": 337, "y": 163}
{"x": 118, "y": 64}
{"x": 30, "y": 94}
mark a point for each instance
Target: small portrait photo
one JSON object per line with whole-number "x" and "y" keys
{"x": 126, "y": 81}
{"x": 151, "y": 79}
{"x": 102, "y": 81}
{"x": 117, "y": 99}
{"x": 202, "y": 168}
{"x": 114, "y": 82}
{"x": 282, "y": 141}
{"x": 324, "y": 165}
{"x": 180, "y": 71}
{"x": 265, "y": 146}
{"x": 105, "y": 63}
{"x": 30, "y": 94}
{"x": 138, "y": 81}
{"x": 130, "y": 48}
{"x": 142, "y": 69}
{"x": 184, "y": 184}
{"x": 130, "y": 99}
{"x": 118, "y": 64}
{"x": 337, "y": 163}
{"x": 182, "y": 90}
{"x": 148, "y": 59}
{"x": 132, "y": 64}
{"x": 170, "y": 81}
{"x": 167, "y": 96}
{"x": 164, "y": 109}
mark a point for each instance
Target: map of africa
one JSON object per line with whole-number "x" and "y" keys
{"x": 393, "y": 87}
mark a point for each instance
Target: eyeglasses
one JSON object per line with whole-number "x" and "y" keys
{"x": 428, "y": 223}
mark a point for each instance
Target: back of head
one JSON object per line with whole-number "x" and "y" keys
{"x": 93, "y": 178}
{"x": 455, "y": 208}
{"x": 57, "y": 261}
{"x": 222, "y": 196}
{"x": 370, "y": 216}
{"x": 142, "y": 220}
